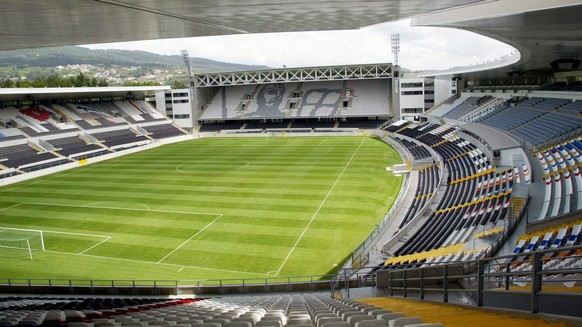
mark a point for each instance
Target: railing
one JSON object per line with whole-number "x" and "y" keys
{"x": 361, "y": 255}
{"x": 542, "y": 210}
{"x": 518, "y": 281}
{"x": 165, "y": 287}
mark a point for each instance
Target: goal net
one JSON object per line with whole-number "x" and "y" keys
{"x": 21, "y": 241}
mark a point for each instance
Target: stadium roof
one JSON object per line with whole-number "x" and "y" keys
{"x": 18, "y": 94}
{"x": 544, "y": 31}
{"x": 33, "y": 23}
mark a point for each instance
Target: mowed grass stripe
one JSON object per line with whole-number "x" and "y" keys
{"x": 265, "y": 206}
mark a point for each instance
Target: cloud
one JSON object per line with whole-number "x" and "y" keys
{"x": 421, "y": 48}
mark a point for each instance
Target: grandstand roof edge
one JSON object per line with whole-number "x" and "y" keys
{"x": 298, "y": 74}
{"x": 296, "y": 68}
{"x": 13, "y": 94}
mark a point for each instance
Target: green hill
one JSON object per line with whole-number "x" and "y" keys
{"x": 71, "y": 55}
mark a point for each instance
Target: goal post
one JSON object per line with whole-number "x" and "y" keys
{"x": 28, "y": 240}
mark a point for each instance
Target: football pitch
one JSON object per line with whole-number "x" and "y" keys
{"x": 211, "y": 208}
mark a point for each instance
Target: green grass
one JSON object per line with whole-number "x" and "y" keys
{"x": 205, "y": 209}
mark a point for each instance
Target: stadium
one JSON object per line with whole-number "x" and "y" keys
{"x": 333, "y": 196}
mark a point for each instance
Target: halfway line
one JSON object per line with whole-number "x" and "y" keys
{"x": 318, "y": 209}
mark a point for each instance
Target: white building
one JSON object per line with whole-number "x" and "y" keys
{"x": 419, "y": 94}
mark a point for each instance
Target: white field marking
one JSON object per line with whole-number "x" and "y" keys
{"x": 179, "y": 168}
{"x": 15, "y": 248}
{"x": 271, "y": 273}
{"x": 153, "y": 263}
{"x": 181, "y": 269}
{"x": 248, "y": 163}
{"x": 319, "y": 208}
{"x": 320, "y": 143}
{"x": 94, "y": 246}
{"x": 54, "y": 232}
{"x": 188, "y": 240}
{"x": 16, "y": 205}
{"x": 128, "y": 209}
{"x": 92, "y": 204}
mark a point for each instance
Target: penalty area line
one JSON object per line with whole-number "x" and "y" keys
{"x": 152, "y": 263}
{"x": 96, "y": 245}
{"x": 188, "y": 240}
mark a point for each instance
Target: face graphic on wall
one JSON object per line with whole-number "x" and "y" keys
{"x": 271, "y": 96}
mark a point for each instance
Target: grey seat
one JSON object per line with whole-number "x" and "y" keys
{"x": 370, "y": 309}
{"x": 80, "y": 324}
{"x": 104, "y": 324}
{"x": 372, "y": 323}
{"x": 341, "y": 311}
{"x": 220, "y": 321}
{"x": 251, "y": 320}
{"x": 238, "y": 324}
{"x": 404, "y": 321}
{"x": 324, "y": 315}
{"x": 336, "y": 324}
{"x": 268, "y": 323}
{"x": 321, "y": 321}
{"x": 362, "y": 306}
{"x": 274, "y": 318}
{"x": 227, "y": 316}
{"x": 391, "y": 316}
{"x": 354, "y": 319}
{"x": 349, "y": 314}
{"x": 376, "y": 313}
{"x": 299, "y": 321}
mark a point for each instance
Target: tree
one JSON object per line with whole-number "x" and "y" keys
{"x": 6, "y": 83}
{"x": 56, "y": 80}
{"x": 142, "y": 83}
{"x": 178, "y": 84}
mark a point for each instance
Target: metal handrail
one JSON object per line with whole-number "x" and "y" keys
{"x": 484, "y": 275}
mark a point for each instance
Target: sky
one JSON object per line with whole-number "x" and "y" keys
{"x": 421, "y": 48}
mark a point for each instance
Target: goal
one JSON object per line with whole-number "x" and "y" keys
{"x": 25, "y": 240}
